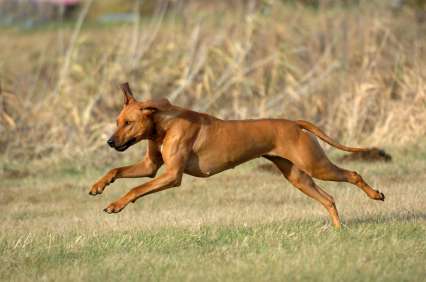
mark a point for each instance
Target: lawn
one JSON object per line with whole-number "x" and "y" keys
{"x": 239, "y": 225}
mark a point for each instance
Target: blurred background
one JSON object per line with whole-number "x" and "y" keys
{"x": 355, "y": 68}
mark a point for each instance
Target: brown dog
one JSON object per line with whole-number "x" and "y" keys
{"x": 201, "y": 145}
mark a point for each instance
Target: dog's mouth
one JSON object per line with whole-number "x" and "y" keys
{"x": 126, "y": 145}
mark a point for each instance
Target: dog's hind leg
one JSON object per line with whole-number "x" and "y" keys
{"x": 310, "y": 157}
{"x": 299, "y": 179}
{"x": 335, "y": 173}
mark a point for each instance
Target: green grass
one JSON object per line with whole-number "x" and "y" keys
{"x": 238, "y": 226}
{"x": 379, "y": 251}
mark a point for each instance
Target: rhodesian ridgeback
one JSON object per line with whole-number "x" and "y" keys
{"x": 201, "y": 145}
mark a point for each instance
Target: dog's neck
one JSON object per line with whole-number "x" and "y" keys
{"x": 162, "y": 123}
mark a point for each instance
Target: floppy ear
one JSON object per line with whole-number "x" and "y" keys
{"x": 161, "y": 104}
{"x": 128, "y": 96}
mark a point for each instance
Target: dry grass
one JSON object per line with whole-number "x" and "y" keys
{"x": 355, "y": 72}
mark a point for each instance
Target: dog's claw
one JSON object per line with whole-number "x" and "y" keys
{"x": 383, "y": 197}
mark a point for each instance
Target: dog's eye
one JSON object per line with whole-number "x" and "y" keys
{"x": 127, "y": 123}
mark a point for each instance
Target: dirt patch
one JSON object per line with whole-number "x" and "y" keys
{"x": 371, "y": 155}
{"x": 17, "y": 174}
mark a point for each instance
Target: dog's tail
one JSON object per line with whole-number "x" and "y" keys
{"x": 315, "y": 130}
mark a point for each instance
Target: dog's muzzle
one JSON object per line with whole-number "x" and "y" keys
{"x": 122, "y": 148}
{"x": 111, "y": 142}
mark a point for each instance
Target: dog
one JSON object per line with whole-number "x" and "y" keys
{"x": 201, "y": 145}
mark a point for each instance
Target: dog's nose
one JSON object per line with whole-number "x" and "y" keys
{"x": 111, "y": 142}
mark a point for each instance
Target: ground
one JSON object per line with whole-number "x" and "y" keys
{"x": 356, "y": 71}
{"x": 237, "y": 226}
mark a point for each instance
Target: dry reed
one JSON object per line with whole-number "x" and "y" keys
{"x": 355, "y": 72}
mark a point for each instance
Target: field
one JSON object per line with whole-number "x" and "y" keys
{"x": 235, "y": 226}
{"x": 355, "y": 70}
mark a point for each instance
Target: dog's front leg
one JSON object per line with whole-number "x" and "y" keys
{"x": 165, "y": 181}
{"x": 145, "y": 168}
{"x": 175, "y": 155}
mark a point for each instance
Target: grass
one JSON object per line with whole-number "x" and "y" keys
{"x": 237, "y": 226}
{"x": 356, "y": 71}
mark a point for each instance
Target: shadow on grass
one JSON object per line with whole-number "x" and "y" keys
{"x": 401, "y": 216}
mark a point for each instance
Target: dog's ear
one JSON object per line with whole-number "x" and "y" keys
{"x": 161, "y": 104}
{"x": 128, "y": 96}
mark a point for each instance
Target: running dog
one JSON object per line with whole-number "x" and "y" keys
{"x": 201, "y": 145}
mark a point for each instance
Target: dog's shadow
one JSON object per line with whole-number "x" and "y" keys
{"x": 398, "y": 216}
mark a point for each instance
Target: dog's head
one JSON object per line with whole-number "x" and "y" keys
{"x": 135, "y": 120}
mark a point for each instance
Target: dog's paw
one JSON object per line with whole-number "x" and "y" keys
{"x": 115, "y": 207}
{"x": 380, "y": 196}
{"x": 98, "y": 188}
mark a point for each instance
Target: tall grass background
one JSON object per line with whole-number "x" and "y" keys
{"x": 354, "y": 70}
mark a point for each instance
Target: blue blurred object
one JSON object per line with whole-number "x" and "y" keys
{"x": 8, "y": 20}
{"x": 28, "y": 24}
{"x": 117, "y": 17}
